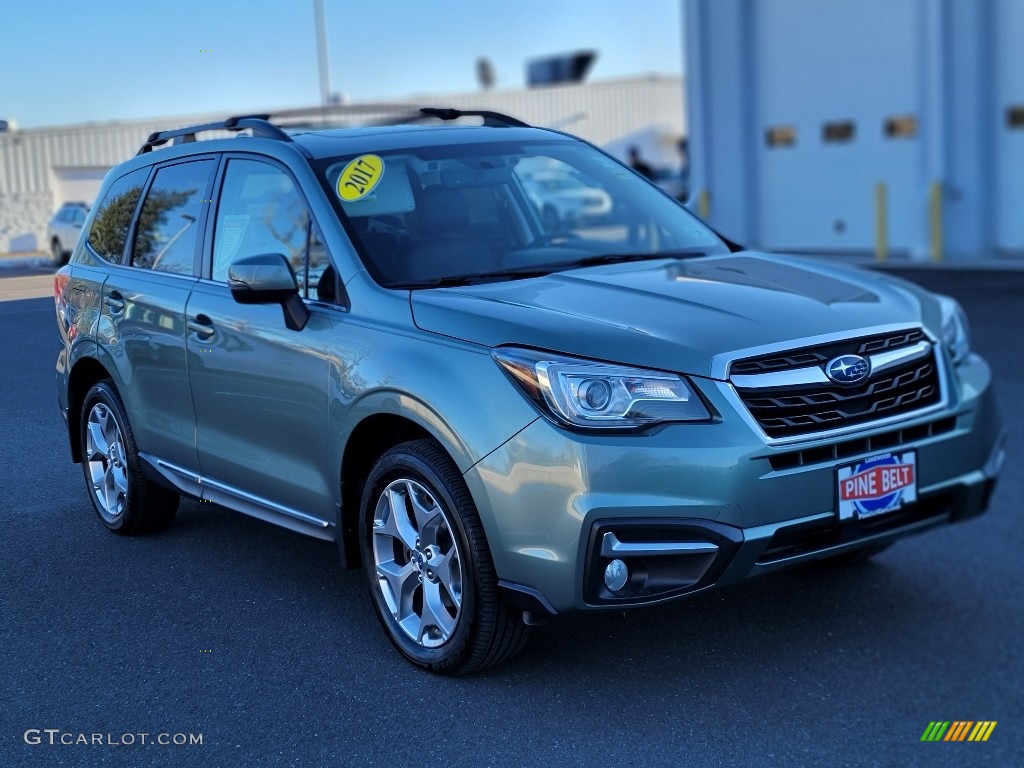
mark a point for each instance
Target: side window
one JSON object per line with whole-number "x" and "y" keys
{"x": 169, "y": 222}
{"x": 320, "y": 275}
{"x": 261, "y": 211}
{"x": 114, "y": 215}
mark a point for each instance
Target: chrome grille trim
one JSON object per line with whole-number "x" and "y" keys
{"x": 889, "y": 360}
{"x": 815, "y": 375}
{"x": 885, "y": 360}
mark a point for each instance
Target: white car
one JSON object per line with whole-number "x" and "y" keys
{"x": 564, "y": 199}
{"x": 63, "y": 230}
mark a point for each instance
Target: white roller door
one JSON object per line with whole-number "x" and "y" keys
{"x": 77, "y": 184}
{"x": 820, "y": 116}
{"x": 1009, "y": 129}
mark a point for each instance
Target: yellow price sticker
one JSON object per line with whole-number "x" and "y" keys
{"x": 360, "y": 177}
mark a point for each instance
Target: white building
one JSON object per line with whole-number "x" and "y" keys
{"x": 894, "y": 126}
{"x": 42, "y": 168}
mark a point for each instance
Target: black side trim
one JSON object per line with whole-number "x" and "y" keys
{"x": 528, "y": 600}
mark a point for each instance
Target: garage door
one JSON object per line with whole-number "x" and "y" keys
{"x": 830, "y": 128}
{"x": 77, "y": 184}
{"x": 1009, "y": 125}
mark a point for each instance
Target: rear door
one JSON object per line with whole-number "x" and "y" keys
{"x": 142, "y": 328}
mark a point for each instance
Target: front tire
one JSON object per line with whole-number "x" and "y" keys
{"x": 126, "y": 502}
{"x": 430, "y": 573}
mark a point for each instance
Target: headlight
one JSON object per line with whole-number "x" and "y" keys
{"x": 582, "y": 393}
{"x": 955, "y": 332}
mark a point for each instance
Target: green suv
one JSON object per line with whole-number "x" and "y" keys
{"x": 377, "y": 337}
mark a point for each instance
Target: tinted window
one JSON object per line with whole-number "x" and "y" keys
{"x": 261, "y": 211}
{"x": 110, "y": 227}
{"x": 169, "y": 222}
{"x": 469, "y": 211}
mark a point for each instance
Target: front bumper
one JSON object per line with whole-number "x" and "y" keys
{"x": 548, "y": 498}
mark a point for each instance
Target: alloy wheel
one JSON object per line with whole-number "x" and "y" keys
{"x": 417, "y": 562}
{"x": 105, "y": 455}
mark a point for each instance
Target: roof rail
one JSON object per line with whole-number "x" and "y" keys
{"x": 260, "y": 125}
{"x": 490, "y": 118}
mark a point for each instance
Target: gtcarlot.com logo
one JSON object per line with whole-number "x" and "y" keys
{"x": 59, "y": 737}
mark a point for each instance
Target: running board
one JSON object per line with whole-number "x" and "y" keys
{"x": 190, "y": 484}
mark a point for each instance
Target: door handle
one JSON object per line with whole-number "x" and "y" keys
{"x": 201, "y": 326}
{"x": 114, "y": 302}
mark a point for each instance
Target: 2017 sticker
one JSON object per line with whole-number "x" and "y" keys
{"x": 360, "y": 177}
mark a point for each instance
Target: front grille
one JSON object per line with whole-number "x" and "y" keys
{"x": 860, "y": 446}
{"x": 822, "y": 353}
{"x": 803, "y": 539}
{"x": 794, "y": 410}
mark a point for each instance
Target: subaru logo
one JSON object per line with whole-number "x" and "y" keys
{"x": 847, "y": 369}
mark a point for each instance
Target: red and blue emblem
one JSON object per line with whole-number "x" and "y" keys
{"x": 877, "y": 485}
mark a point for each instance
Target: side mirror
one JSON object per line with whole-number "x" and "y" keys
{"x": 268, "y": 279}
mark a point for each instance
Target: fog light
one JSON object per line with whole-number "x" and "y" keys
{"x": 616, "y": 575}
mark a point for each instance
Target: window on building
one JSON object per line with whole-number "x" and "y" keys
{"x": 780, "y": 135}
{"x": 109, "y": 229}
{"x": 1015, "y": 116}
{"x": 165, "y": 240}
{"x": 901, "y": 127}
{"x": 838, "y": 131}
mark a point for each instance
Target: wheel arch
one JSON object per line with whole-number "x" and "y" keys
{"x": 367, "y": 442}
{"x": 85, "y": 373}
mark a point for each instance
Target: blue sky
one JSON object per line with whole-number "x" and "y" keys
{"x": 72, "y": 61}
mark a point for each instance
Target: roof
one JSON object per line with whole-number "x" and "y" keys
{"x": 325, "y": 143}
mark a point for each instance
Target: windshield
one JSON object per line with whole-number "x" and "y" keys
{"x": 477, "y": 212}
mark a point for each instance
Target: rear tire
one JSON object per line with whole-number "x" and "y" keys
{"x": 429, "y": 571}
{"x": 58, "y": 254}
{"x": 126, "y": 502}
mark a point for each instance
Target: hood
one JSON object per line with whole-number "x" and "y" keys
{"x": 671, "y": 314}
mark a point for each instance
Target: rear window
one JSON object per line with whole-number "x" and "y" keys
{"x": 109, "y": 229}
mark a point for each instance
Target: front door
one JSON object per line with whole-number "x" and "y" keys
{"x": 260, "y": 390}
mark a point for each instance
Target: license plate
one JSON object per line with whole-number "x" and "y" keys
{"x": 877, "y": 485}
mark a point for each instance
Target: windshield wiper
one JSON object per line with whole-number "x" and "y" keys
{"x": 539, "y": 270}
{"x": 618, "y": 258}
{"x": 531, "y": 270}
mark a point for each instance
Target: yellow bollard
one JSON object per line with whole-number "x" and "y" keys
{"x": 935, "y": 209}
{"x": 704, "y": 204}
{"x": 881, "y": 221}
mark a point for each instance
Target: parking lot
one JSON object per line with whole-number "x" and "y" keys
{"x": 255, "y": 639}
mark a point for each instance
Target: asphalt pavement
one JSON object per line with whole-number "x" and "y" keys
{"x": 253, "y": 639}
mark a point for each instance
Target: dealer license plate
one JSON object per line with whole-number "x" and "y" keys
{"x": 877, "y": 485}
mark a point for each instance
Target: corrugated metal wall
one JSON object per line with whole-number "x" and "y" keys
{"x": 28, "y": 157}
{"x": 34, "y": 163}
{"x": 598, "y": 112}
